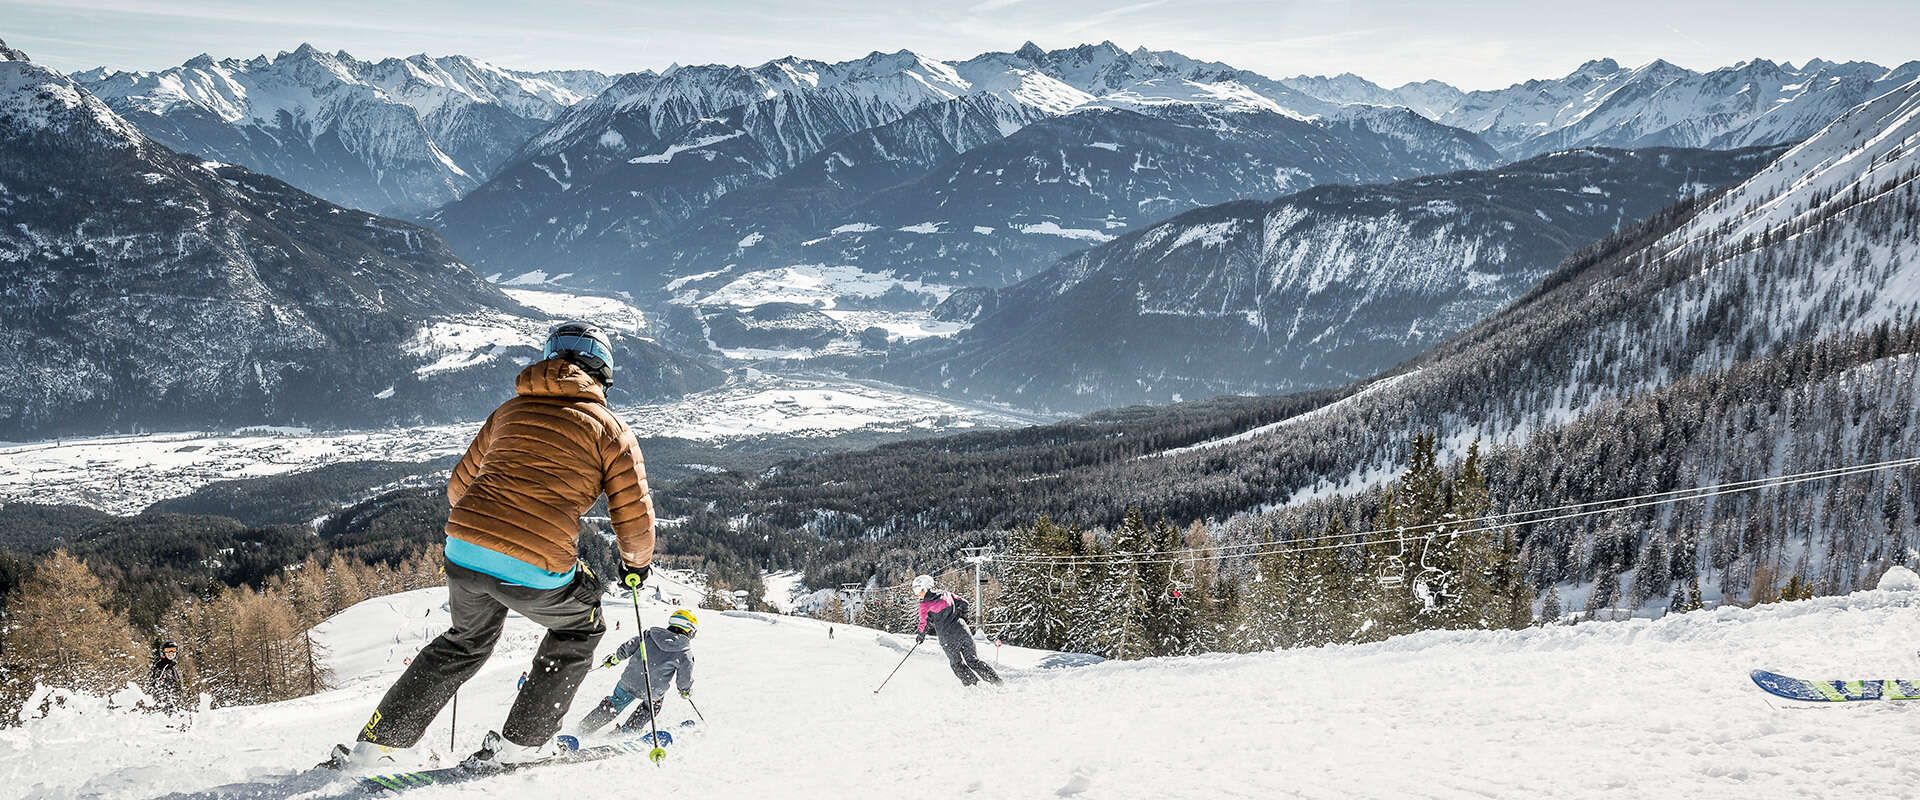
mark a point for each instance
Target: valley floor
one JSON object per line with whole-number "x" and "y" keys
{"x": 1642, "y": 708}
{"x": 124, "y": 474}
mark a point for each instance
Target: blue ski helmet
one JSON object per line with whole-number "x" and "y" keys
{"x": 583, "y": 344}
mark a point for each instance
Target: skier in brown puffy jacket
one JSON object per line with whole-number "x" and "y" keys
{"x": 540, "y": 461}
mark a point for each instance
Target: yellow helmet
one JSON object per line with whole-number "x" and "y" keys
{"x": 683, "y": 621}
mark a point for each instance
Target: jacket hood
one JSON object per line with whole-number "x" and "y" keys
{"x": 558, "y": 377}
{"x": 668, "y": 641}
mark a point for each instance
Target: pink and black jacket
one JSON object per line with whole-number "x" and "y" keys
{"x": 946, "y": 613}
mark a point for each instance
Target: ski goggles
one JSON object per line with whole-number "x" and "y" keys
{"x": 568, "y": 343}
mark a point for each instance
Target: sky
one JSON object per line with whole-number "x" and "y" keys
{"x": 1473, "y": 44}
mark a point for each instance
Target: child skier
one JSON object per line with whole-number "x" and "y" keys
{"x": 668, "y": 658}
{"x": 948, "y": 615}
{"x": 540, "y": 461}
{"x": 163, "y": 679}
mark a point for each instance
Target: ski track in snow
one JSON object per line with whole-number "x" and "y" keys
{"x": 1629, "y": 709}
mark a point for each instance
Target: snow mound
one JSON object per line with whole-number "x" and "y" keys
{"x": 1899, "y": 579}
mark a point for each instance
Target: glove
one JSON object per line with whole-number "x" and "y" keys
{"x": 611, "y": 661}
{"x": 686, "y": 693}
{"x": 921, "y": 639}
{"x": 631, "y": 576}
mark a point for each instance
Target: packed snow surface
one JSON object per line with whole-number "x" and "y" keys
{"x": 124, "y": 474}
{"x": 1590, "y": 711}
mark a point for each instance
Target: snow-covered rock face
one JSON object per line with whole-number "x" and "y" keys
{"x": 1315, "y": 289}
{"x": 182, "y": 292}
{"x": 1655, "y": 105}
{"x": 38, "y": 102}
{"x": 397, "y": 135}
{"x": 1752, "y": 103}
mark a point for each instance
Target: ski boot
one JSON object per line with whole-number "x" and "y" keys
{"x": 368, "y": 758}
{"x": 496, "y": 752}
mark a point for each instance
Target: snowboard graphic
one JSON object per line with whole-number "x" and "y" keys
{"x": 1805, "y": 690}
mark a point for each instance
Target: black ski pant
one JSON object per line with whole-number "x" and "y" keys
{"x": 479, "y": 602}
{"x": 964, "y": 657}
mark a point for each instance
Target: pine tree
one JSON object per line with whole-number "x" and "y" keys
{"x": 1480, "y": 566}
{"x": 1033, "y": 602}
{"x": 1765, "y": 588}
{"x": 831, "y": 610}
{"x": 1550, "y": 610}
{"x": 1125, "y": 603}
{"x": 1259, "y": 622}
{"x": 60, "y": 633}
{"x": 1605, "y": 594}
{"x": 1164, "y": 579}
{"x": 883, "y": 611}
{"x": 1205, "y": 600}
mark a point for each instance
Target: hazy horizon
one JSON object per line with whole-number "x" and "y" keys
{"x": 1391, "y": 42}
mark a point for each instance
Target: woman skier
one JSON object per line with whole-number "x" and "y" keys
{"x": 669, "y": 658}
{"x": 948, "y": 615}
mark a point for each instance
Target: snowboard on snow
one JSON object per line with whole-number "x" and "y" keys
{"x": 573, "y": 752}
{"x": 1824, "y": 691}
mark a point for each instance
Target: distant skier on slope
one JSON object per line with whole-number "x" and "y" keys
{"x": 669, "y": 659}
{"x": 948, "y": 615}
{"x": 163, "y": 679}
{"x": 538, "y": 463}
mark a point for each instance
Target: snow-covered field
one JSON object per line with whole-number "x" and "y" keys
{"x": 1631, "y": 709}
{"x": 124, "y": 474}
{"x": 474, "y": 339}
{"x": 840, "y": 292}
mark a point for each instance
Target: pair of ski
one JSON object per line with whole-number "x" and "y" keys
{"x": 1824, "y": 691}
{"x": 323, "y": 777}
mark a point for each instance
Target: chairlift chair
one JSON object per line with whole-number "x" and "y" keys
{"x": 1434, "y": 586}
{"x": 1394, "y": 572}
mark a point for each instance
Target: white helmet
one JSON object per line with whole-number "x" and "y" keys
{"x": 922, "y": 584}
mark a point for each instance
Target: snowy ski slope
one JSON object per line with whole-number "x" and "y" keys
{"x": 1642, "y": 708}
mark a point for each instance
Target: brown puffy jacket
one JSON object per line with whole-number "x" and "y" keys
{"x": 540, "y": 461}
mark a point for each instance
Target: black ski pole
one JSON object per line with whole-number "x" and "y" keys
{"x": 696, "y": 708}
{"x": 896, "y": 667}
{"x": 658, "y": 753}
{"x": 453, "y": 724}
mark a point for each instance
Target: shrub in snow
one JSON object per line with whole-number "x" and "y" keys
{"x": 1899, "y": 579}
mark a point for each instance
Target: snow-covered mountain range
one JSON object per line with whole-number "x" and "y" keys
{"x": 1658, "y": 104}
{"x": 399, "y": 135}
{"x": 997, "y": 163}
{"x": 1314, "y": 289}
{"x": 141, "y": 287}
{"x": 1770, "y": 329}
{"x": 970, "y": 172}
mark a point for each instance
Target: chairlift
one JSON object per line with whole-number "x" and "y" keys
{"x": 1435, "y": 587}
{"x": 1394, "y": 572}
{"x": 1176, "y": 588}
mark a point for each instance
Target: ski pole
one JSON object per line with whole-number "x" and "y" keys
{"x": 896, "y": 667}
{"x": 454, "y": 723}
{"x": 658, "y": 753}
{"x": 696, "y": 708}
